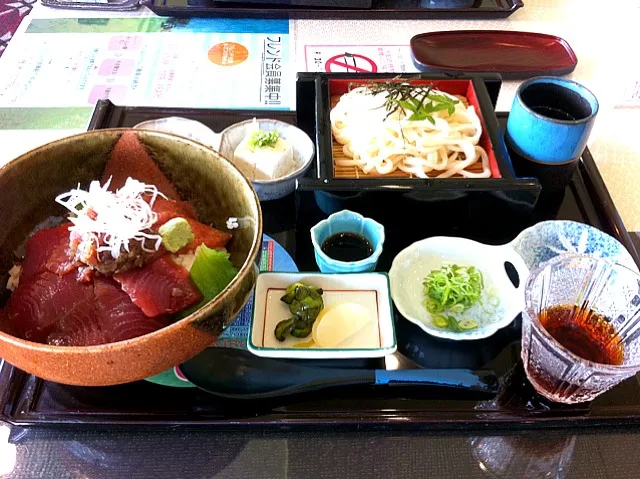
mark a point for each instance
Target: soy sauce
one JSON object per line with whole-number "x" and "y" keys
{"x": 347, "y": 247}
{"x": 584, "y": 332}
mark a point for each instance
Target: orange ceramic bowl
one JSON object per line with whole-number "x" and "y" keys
{"x": 28, "y": 187}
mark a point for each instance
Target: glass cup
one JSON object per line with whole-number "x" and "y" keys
{"x": 585, "y": 282}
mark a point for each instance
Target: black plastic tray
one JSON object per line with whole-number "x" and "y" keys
{"x": 381, "y": 9}
{"x": 27, "y": 400}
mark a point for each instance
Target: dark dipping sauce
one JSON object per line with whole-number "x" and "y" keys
{"x": 553, "y": 113}
{"x": 585, "y": 333}
{"x": 347, "y": 247}
{"x": 556, "y": 102}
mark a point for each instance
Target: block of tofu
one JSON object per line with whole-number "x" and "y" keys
{"x": 264, "y": 162}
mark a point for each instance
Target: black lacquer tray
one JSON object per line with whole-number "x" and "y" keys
{"x": 27, "y": 400}
{"x": 380, "y": 9}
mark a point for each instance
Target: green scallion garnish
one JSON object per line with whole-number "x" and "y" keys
{"x": 263, "y": 139}
{"x": 452, "y": 288}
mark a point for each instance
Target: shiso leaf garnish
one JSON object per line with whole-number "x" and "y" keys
{"x": 419, "y": 100}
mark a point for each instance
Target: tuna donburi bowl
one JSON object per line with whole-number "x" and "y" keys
{"x": 118, "y": 257}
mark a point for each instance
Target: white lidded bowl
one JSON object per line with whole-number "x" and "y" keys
{"x": 303, "y": 153}
{"x": 415, "y": 262}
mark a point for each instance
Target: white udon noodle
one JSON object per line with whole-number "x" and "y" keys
{"x": 374, "y": 141}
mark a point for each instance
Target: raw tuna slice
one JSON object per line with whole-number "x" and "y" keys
{"x": 119, "y": 317}
{"x": 160, "y": 287}
{"x": 5, "y": 325}
{"x": 37, "y": 305}
{"x": 115, "y": 318}
{"x": 169, "y": 209}
{"x": 211, "y": 237}
{"x": 77, "y": 331}
{"x": 129, "y": 158}
{"x": 46, "y": 251}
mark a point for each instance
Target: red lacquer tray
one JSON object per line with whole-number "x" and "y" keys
{"x": 512, "y": 54}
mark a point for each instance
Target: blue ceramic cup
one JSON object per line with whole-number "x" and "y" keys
{"x": 550, "y": 120}
{"x": 347, "y": 221}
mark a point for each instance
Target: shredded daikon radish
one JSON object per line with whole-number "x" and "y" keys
{"x": 111, "y": 219}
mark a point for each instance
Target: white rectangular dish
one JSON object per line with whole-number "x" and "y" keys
{"x": 370, "y": 290}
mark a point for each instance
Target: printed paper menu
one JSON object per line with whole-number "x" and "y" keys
{"x": 199, "y": 63}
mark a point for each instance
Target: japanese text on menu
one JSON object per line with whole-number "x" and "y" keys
{"x": 272, "y": 71}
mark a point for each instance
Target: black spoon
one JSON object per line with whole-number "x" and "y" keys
{"x": 238, "y": 374}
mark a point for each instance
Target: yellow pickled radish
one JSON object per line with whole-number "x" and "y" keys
{"x": 339, "y": 322}
{"x": 312, "y": 343}
{"x": 306, "y": 344}
{"x": 319, "y": 318}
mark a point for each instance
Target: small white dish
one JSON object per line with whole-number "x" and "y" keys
{"x": 371, "y": 290}
{"x": 415, "y": 263}
{"x": 303, "y": 153}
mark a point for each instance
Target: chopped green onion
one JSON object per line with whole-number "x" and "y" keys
{"x": 457, "y": 308}
{"x": 453, "y": 288}
{"x": 263, "y": 139}
{"x": 440, "y": 321}
{"x": 452, "y": 324}
{"x": 467, "y": 324}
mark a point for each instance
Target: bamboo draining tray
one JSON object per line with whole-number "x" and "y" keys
{"x": 353, "y": 172}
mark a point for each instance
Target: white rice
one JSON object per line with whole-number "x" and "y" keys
{"x": 14, "y": 277}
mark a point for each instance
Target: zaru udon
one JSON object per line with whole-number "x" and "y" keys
{"x": 416, "y": 129}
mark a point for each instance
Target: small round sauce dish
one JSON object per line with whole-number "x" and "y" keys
{"x": 347, "y": 242}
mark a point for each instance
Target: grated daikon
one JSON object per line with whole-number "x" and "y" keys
{"x": 111, "y": 219}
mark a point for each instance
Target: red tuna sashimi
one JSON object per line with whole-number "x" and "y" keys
{"x": 160, "y": 287}
{"x": 115, "y": 318}
{"x": 119, "y": 316}
{"x": 37, "y": 305}
{"x": 211, "y": 237}
{"x": 169, "y": 209}
{"x": 5, "y": 324}
{"x": 77, "y": 331}
{"x": 47, "y": 250}
{"x": 129, "y": 158}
